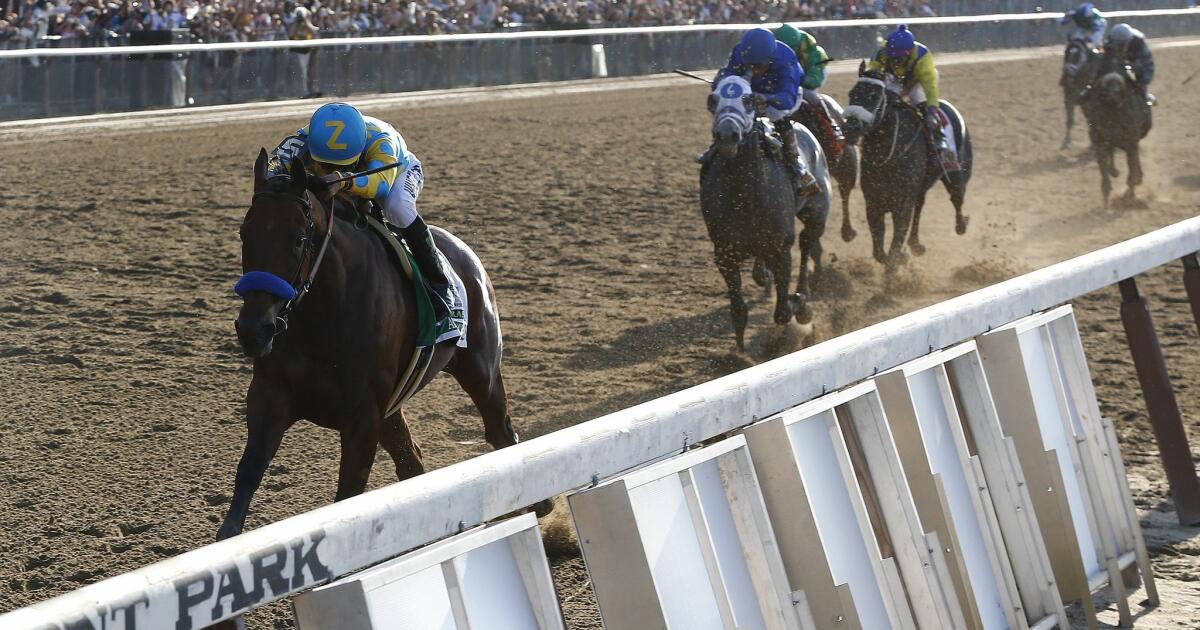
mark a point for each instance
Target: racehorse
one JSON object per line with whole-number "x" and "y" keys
{"x": 750, "y": 207}
{"x": 899, "y": 165}
{"x": 845, "y": 170}
{"x": 1079, "y": 65}
{"x": 1118, "y": 118}
{"x": 331, "y": 344}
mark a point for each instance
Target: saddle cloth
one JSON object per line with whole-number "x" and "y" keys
{"x": 429, "y": 332}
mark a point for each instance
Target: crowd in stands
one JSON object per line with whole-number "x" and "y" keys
{"x": 29, "y": 23}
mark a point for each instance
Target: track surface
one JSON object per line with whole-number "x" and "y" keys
{"x": 122, "y": 418}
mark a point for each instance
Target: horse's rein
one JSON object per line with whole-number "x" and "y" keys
{"x": 303, "y": 289}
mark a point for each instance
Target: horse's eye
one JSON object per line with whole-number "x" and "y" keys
{"x": 300, "y": 241}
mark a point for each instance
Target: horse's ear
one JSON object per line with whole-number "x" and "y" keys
{"x": 862, "y": 66}
{"x": 260, "y": 169}
{"x": 299, "y": 176}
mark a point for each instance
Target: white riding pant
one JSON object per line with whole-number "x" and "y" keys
{"x": 400, "y": 205}
{"x": 916, "y": 96}
{"x": 776, "y": 115}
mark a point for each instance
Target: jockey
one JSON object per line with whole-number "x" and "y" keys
{"x": 1089, "y": 24}
{"x": 812, "y": 60}
{"x": 909, "y": 64}
{"x": 339, "y": 139}
{"x": 775, "y": 76}
{"x": 1129, "y": 45}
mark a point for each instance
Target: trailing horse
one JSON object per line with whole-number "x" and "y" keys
{"x": 1079, "y": 65}
{"x": 1118, "y": 118}
{"x": 845, "y": 170}
{"x": 332, "y": 344}
{"x": 899, "y": 164}
{"x": 750, "y": 207}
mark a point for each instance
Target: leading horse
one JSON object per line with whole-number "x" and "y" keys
{"x": 899, "y": 165}
{"x": 331, "y": 345}
{"x": 750, "y": 207}
{"x": 1118, "y": 118}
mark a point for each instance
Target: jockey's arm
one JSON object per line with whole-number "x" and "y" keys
{"x": 814, "y": 73}
{"x": 876, "y": 62}
{"x": 927, "y": 75}
{"x": 376, "y": 186}
{"x": 281, "y": 158}
{"x": 787, "y": 87}
{"x": 1143, "y": 63}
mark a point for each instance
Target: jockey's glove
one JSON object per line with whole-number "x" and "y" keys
{"x": 335, "y": 186}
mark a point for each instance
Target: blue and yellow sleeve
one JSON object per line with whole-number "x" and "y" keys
{"x": 380, "y": 152}
{"x": 927, "y": 75}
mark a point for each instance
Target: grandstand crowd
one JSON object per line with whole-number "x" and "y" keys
{"x": 29, "y": 23}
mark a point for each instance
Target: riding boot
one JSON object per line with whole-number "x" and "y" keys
{"x": 420, "y": 242}
{"x": 802, "y": 180}
{"x": 945, "y": 155}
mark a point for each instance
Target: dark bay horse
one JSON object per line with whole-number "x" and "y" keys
{"x": 336, "y": 358}
{"x": 1118, "y": 118}
{"x": 899, "y": 165}
{"x": 845, "y": 170}
{"x": 1079, "y": 65}
{"x": 750, "y": 208}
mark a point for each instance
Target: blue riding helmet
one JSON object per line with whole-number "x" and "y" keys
{"x": 1085, "y": 9}
{"x": 758, "y": 44}
{"x": 900, "y": 43}
{"x": 337, "y": 134}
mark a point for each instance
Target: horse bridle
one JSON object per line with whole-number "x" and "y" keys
{"x": 310, "y": 229}
{"x": 879, "y": 112}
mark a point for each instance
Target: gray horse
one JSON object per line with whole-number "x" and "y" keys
{"x": 1118, "y": 118}
{"x": 899, "y": 165}
{"x": 750, "y": 209}
{"x": 1079, "y": 66}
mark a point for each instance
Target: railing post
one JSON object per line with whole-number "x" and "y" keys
{"x": 1169, "y": 433}
{"x": 1191, "y": 282}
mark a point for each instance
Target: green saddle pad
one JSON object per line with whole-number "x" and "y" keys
{"x": 428, "y": 330}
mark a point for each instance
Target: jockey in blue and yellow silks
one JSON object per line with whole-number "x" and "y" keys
{"x": 775, "y": 77}
{"x": 339, "y": 140}
{"x": 909, "y": 67}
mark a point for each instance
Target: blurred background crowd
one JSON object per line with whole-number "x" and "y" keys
{"x": 28, "y": 23}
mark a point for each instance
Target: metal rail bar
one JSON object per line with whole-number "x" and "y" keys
{"x": 587, "y": 33}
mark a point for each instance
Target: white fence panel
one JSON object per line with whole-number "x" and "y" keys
{"x": 491, "y": 578}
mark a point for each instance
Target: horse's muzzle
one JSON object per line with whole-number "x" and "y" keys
{"x": 727, "y": 142}
{"x": 256, "y": 326}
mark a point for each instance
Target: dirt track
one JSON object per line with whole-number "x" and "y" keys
{"x": 122, "y": 418}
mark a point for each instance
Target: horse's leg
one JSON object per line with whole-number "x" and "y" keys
{"x": 846, "y": 178}
{"x": 727, "y": 264}
{"x": 360, "y": 440}
{"x": 1133, "y": 159}
{"x": 901, "y": 221}
{"x": 397, "y": 440}
{"x": 1102, "y": 158}
{"x": 266, "y": 419}
{"x": 875, "y": 222}
{"x": 914, "y": 234}
{"x": 780, "y": 264}
{"x": 1070, "y": 105}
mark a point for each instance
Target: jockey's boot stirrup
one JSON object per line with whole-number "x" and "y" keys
{"x": 420, "y": 242}
{"x": 803, "y": 181}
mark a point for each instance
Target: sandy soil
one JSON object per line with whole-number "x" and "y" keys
{"x": 122, "y": 413}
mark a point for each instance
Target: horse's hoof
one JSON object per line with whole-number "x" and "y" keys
{"x": 848, "y": 234}
{"x": 543, "y": 508}
{"x": 1113, "y": 172}
{"x": 804, "y": 314}
{"x": 960, "y": 225}
{"x": 917, "y": 249}
{"x": 760, "y": 273}
{"x": 228, "y": 530}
